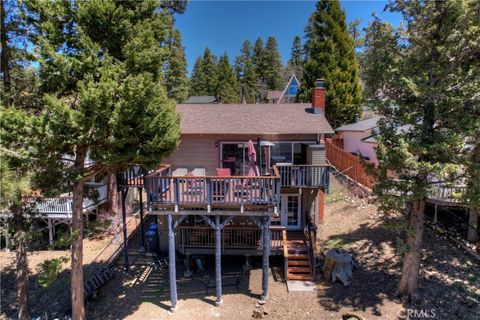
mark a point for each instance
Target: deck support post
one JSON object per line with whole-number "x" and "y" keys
{"x": 142, "y": 245}
{"x": 188, "y": 260}
{"x": 266, "y": 257}
{"x": 472, "y": 235}
{"x": 435, "y": 214}
{"x": 7, "y": 238}
{"x": 124, "y": 222}
{"x": 50, "y": 232}
{"x": 218, "y": 260}
{"x": 247, "y": 265}
{"x": 171, "y": 263}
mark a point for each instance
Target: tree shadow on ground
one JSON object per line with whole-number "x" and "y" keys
{"x": 449, "y": 282}
{"x": 144, "y": 284}
{"x": 51, "y": 301}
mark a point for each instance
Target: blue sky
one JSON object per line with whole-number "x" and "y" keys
{"x": 224, "y": 25}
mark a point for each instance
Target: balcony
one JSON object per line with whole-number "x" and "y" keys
{"x": 233, "y": 193}
{"x": 236, "y": 193}
{"x": 61, "y": 207}
{"x": 304, "y": 176}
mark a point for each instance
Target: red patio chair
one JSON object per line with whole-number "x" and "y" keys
{"x": 220, "y": 187}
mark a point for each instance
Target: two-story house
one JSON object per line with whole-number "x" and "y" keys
{"x": 208, "y": 201}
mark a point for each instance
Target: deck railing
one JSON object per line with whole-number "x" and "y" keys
{"x": 302, "y": 176}
{"x": 233, "y": 237}
{"x": 134, "y": 174}
{"x": 454, "y": 194}
{"x": 63, "y": 205}
{"x": 310, "y": 233}
{"x": 165, "y": 191}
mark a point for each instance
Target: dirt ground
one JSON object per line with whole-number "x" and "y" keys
{"x": 96, "y": 251}
{"x": 449, "y": 284}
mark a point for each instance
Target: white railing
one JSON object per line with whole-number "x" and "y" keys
{"x": 62, "y": 205}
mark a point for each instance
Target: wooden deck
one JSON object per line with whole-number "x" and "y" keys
{"x": 61, "y": 207}
{"x": 239, "y": 193}
{"x": 236, "y": 240}
{"x": 235, "y": 193}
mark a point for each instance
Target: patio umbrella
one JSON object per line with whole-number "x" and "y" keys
{"x": 252, "y": 160}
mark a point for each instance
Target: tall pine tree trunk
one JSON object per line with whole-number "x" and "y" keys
{"x": 22, "y": 264}
{"x": 78, "y": 307}
{"x": 5, "y": 54}
{"x": 411, "y": 263}
{"x": 113, "y": 200}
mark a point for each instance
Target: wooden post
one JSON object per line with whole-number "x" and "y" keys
{"x": 473, "y": 225}
{"x": 50, "y": 232}
{"x": 142, "y": 245}
{"x": 171, "y": 263}
{"x": 124, "y": 220}
{"x": 321, "y": 206}
{"x": 435, "y": 214}
{"x": 218, "y": 261}
{"x": 266, "y": 257}
{"x": 7, "y": 238}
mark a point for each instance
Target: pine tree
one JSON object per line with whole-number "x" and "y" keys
{"x": 424, "y": 85}
{"x": 295, "y": 64}
{"x": 197, "y": 80}
{"x": 272, "y": 74}
{"x": 19, "y": 101}
{"x": 228, "y": 90}
{"x": 246, "y": 74}
{"x": 330, "y": 55}
{"x": 209, "y": 67}
{"x": 257, "y": 57}
{"x": 296, "y": 55}
{"x": 204, "y": 75}
{"x": 104, "y": 96}
{"x": 15, "y": 174}
{"x": 259, "y": 66}
{"x": 176, "y": 80}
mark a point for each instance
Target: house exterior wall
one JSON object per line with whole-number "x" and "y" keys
{"x": 352, "y": 142}
{"x": 203, "y": 151}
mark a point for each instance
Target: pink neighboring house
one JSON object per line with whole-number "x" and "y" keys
{"x": 359, "y": 138}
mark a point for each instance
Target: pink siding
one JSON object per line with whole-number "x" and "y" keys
{"x": 196, "y": 152}
{"x": 352, "y": 142}
{"x": 203, "y": 151}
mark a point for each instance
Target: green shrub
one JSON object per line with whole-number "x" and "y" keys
{"x": 50, "y": 269}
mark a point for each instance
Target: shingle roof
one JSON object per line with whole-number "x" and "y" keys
{"x": 201, "y": 99}
{"x": 295, "y": 118}
{"x": 362, "y": 125}
{"x": 274, "y": 94}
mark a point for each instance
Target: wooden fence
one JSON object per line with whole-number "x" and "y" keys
{"x": 349, "y": 164}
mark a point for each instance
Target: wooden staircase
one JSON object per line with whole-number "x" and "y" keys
{"x": 297, "y": 259}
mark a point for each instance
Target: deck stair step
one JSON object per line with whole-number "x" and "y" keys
{"x": 299, "y": 269}
{"x": 293, "y": 276}
{"x": 98, "y": 280}
{"x": 298, "y": 263}
{"x": 298, "y": 260}
{"x": 298, "y": 256}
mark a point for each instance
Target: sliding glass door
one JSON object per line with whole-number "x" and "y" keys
{"x": 235, "y": 157}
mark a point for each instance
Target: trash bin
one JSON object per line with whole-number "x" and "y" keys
{"x": 153, "y": 227}
{"x": 151, "y": 237}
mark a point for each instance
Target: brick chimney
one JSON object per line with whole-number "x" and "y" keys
{"x": 318, "y": 96}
